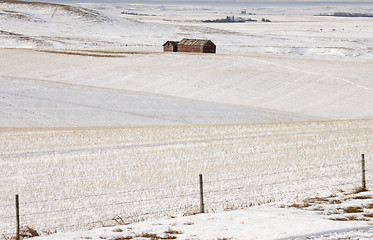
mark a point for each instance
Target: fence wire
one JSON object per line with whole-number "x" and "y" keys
{"x": 241, "y": 191}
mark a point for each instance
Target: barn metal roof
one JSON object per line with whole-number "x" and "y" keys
{"x": 173, "y": 43}
{"x": 193, "y": 42}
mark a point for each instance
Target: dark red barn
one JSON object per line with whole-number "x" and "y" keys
{"x": 190, "y": 45}
{"x": 196, "y": 45}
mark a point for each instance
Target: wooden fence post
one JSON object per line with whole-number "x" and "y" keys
{"x": 17, "y": 218}
{"x": 202, "y": 205}
{"x": 363, "y": 183}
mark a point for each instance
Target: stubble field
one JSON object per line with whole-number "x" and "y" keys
{"x": 80, "y": 178}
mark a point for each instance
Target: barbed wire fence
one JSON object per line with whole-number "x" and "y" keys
{"x": 119, "y": 206}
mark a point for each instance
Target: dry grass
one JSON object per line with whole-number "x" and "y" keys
{"x": 359, "y": 190}
{"x": 369, "y": 206}
{"x": 119, "y": 220}
{"x": 190, "y": 213}
{"x": 19, "y": 16}
{"x": 354, "y": 213}
{"x": 303, "y": 205}
{"x": 23, "y": 38}
{"x": 149, "y": 235}
{"x": 318, "y": 209}
{"x": 339, "y": 219}
{"x": 349, "y": 218}
{"x": 171, "y": 231}
{"x": 28, "y": 232}
{"x": 334, "y": 201}
{"x": 123, "y": 238}
{"x": 362, "y": 197}
{"x": 154, "y": 236}
{"x": 353, "y": 209}
{"x": 316, "y": 200}
{"x": 313, "y": 201}
{"x": 82, "y": 12}
{"x": 369, "y": 215}
{"x": 352, "y": 218}
{"x": 86, "y": 54}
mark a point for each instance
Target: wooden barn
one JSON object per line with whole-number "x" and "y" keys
{"x": 170, "y": 46}
{"x": 196, "y": 45}
{"x": 190, "y": 45}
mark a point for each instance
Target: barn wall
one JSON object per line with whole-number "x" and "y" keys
{"x": 168, "y": 47}
{"x": 186, "y": 48}
{"x": 209, "y": 48}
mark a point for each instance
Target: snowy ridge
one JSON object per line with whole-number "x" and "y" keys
{"x": 50, "y": 25}
{"x": 295, "y": 88}
{"x": 37, "y": 103}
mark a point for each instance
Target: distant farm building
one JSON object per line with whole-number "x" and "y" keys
{"x": 170, "y": 46}
{"x": 190, "y": 45}
{"x": 196, "y": 45}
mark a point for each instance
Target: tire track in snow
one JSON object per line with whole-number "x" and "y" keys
{"x": 321, "y": 101}
{"x": 354, "y": 84}
{"x": 19, "y": 117}
{"x": 177, "y": 142}
{"x": 37, "y": 114}
{"x": 312, "y": 73}
{"x": 98, "y": 108}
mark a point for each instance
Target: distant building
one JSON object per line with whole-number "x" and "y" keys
{"x": 190, "y": 45}
{"x": 170, "y": 46}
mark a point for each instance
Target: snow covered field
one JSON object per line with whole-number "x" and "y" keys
{"x": 316, "y": 89}
{"x": 71, "y": 179}
{"x": 98, "y": 126}
{"x": 288, "y": 66}
{"x": 39, "y": 103}
{"x": 253, "y": 223}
